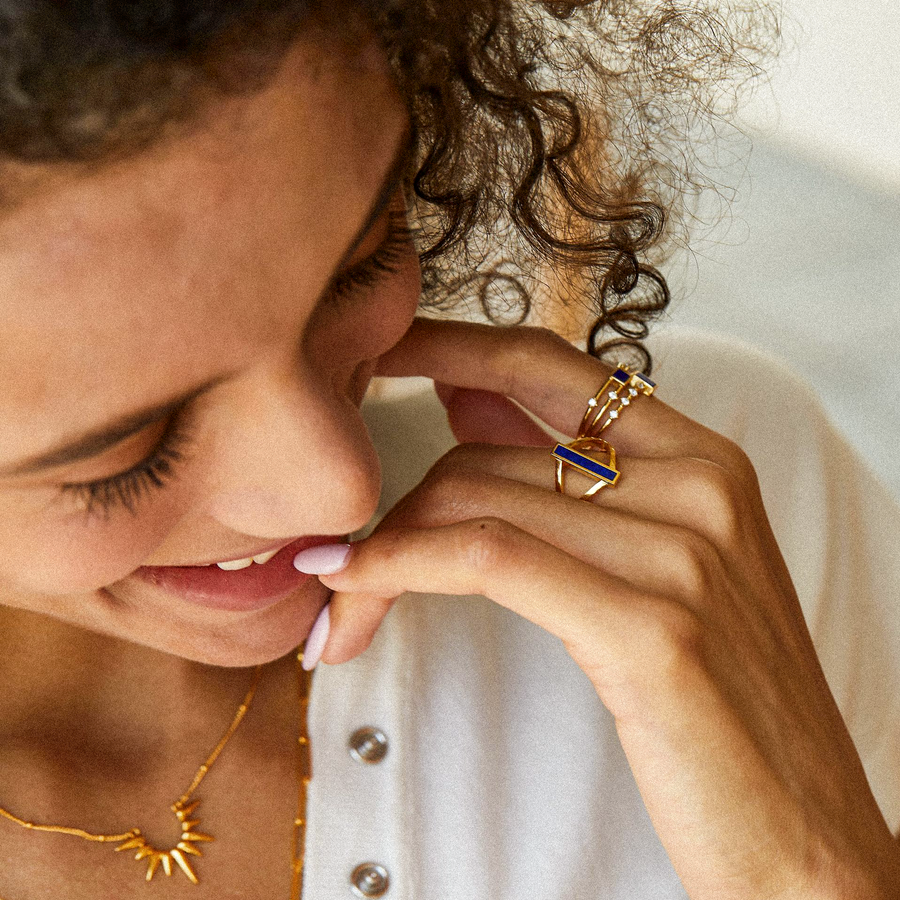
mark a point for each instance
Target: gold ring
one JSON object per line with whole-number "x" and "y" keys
{"x": 615, "y": 396}
{"x": 574, "y": 456}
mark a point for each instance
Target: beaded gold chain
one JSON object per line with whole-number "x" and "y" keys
{"x": 304, "y": 776}
{"x": 185, "y": 809}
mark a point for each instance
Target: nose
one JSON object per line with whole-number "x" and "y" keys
{"x": 292, "y": 457}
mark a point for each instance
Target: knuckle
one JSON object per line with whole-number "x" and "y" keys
{"x": 733, "y": 458}
{"x": 537, "y": 339}
{"x": 672, "y": 636}
{"x": 528, "y": 343}
{"x": 665, "y": 643}
{"x": 691, "y": 560}
{"x": 457, "y": 458}
{"x": 455, "y": 492}
{"x": 442, "y": 498}
{"x": 719, "y": 502}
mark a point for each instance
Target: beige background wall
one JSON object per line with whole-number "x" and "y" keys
{"x": 807, "y": 262}
{"x": 837, "y": 91}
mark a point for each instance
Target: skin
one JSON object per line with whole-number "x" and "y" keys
{"x": 208, "y": 257}
{"x": 670, "y": 593}
{"x": 212, "y": 253}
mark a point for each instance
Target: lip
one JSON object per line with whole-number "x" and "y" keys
{"x": 243, "y": 590}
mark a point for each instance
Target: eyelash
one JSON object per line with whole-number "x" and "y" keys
{"x": 126, "y": 489}
{"x": 383, "y": 262}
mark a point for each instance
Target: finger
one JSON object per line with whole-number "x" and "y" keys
{"x": 444, "y": 391}
{"x": 549, "y": 377}
{"x": 354, "y": 620}
{"x": 489, "y": 418}
{"x": 688, "y": 493}
{"x": 491, "y": 558}
{"x": 694, "y": 495}
{"x": 654, "y": 557}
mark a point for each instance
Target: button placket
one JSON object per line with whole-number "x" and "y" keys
{"x": 369, "y": 745}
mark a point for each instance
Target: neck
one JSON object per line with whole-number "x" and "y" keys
{"x": 64, "y": 686}
{"x": 104, "y": 735}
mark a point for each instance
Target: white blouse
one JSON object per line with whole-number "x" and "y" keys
{"x": 503, "y": 777}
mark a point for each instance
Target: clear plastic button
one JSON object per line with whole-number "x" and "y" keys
{"x": 370, "y": 880}
{"x": 368, "y": 745}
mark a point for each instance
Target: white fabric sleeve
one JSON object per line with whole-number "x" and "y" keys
{"x": 837, "y": 525}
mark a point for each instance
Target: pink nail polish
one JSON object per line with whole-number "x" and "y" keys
{"x": 318, "y": 637}
{"x": 323, "y": 560}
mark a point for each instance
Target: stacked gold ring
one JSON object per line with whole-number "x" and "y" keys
{"x": 615, "y": 396}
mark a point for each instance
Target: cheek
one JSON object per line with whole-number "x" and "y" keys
{"x": 55, "y": 553}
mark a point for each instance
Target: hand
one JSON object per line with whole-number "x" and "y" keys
{"x": 669, "y": 592}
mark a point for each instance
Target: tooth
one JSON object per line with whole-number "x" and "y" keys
{"x": 262, "y": 558}
{"x": 236, "y": 564}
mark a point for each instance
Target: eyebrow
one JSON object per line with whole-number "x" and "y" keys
{"x": 97, "y": 440}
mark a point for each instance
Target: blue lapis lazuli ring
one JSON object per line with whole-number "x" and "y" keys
{"x": 620, "y": 389}
{"x": 580, "y": 456}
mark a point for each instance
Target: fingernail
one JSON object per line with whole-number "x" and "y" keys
{"x": 324, "y": 560}
{"x": 318, "y": 637}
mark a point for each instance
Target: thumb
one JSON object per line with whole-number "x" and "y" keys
{"x": 484, "y": 417}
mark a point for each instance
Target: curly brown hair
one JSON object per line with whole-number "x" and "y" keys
{"x": 550, "y": 136}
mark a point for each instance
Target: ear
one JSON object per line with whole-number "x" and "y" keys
{"x": 484, "y": 417}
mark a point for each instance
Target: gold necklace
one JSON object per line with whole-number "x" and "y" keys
{"x": 184, "y": 808}
{"x": 304, "y": 776}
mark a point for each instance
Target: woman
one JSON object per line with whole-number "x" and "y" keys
{"x": 205, "y": 261}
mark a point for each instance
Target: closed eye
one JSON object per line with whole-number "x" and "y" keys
{"x": 385, "y": 261}
{"x": 125, "y": 490}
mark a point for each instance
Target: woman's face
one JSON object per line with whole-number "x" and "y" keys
{"x": 207, "y": 316}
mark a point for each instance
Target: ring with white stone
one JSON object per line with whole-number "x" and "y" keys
{"x": 620, "y": 389}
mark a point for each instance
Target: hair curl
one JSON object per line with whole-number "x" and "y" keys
{"x": 550, "y": 136}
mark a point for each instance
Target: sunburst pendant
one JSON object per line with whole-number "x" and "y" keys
{"x": 156, "y": 858}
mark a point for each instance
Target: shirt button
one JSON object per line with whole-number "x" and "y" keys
{"x": 368, "y": 745}
{"x": 369, "y": 880}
